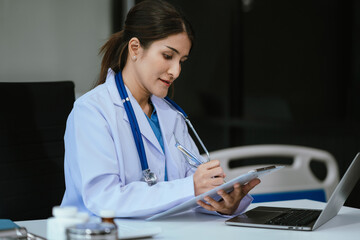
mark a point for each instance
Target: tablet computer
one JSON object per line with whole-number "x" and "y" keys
{"x": 228, "y": 187}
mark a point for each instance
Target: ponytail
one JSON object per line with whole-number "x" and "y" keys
{"x": 115, "y": 54}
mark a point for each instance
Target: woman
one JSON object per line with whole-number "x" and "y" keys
{"x": 104, "y": 163}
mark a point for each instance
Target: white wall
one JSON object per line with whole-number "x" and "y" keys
{"x": 50, "y": 40}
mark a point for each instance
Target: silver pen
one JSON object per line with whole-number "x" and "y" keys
{"x": 190, "y": 157}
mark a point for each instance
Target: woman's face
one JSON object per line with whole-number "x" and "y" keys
{"x": 160, "y": 64}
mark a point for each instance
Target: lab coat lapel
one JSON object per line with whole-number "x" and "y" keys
{"x": 143, "y": 123}
{"x": 167, "y": 119}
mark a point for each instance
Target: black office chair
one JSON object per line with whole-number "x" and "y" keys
{"x": 32, "y": 125}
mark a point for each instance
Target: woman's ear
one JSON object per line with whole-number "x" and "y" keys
{"x": 134, "y": 48}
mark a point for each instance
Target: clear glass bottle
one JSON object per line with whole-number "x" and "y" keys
{"x": 92, "y": 231}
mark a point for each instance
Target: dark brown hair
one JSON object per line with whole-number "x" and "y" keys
{"x": 149, "y": 20}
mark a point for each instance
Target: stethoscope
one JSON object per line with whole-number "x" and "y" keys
{"x": 148, "y": 176}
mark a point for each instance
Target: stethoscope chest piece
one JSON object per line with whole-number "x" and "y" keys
{"x": 149, "y": 177}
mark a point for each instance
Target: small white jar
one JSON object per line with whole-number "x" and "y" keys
{"x": 63, "y": 217}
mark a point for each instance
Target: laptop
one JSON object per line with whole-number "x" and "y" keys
{"x": 301, "y": 219}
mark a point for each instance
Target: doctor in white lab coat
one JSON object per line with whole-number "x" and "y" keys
{"x": 102, "y": 165}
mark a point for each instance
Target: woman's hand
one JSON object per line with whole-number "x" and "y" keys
{"x": 208, "y": 176}
{"x": 230, "y": 201}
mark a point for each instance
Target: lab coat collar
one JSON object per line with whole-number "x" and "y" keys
{"x": 112, "y": 88}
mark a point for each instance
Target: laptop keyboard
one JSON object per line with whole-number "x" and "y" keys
{"x": 295, "y": 218}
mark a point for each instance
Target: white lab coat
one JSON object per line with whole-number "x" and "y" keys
{"x": 102, "y": 165}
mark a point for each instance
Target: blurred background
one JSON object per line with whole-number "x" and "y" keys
{"x": 261, "y": 71}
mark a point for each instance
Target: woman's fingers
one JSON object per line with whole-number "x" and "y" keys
{"x": 230, "y": 201}
{"x": 250, "y": 185}
{"x": 206, "y": 206}
{"x": 208, "y": 176}
{"x": 229, "y": 197}
{"x": 211, "y": 164}
{"x": 211, "y": 169}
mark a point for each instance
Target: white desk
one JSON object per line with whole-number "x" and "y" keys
{"x": 190, "y": 225}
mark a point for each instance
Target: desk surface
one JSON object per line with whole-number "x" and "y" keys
{"x": 191, "y": 225}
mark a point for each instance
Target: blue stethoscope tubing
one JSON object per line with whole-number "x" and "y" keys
{"x": 149, "y": 177}
{"x": 180, "y": 111}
